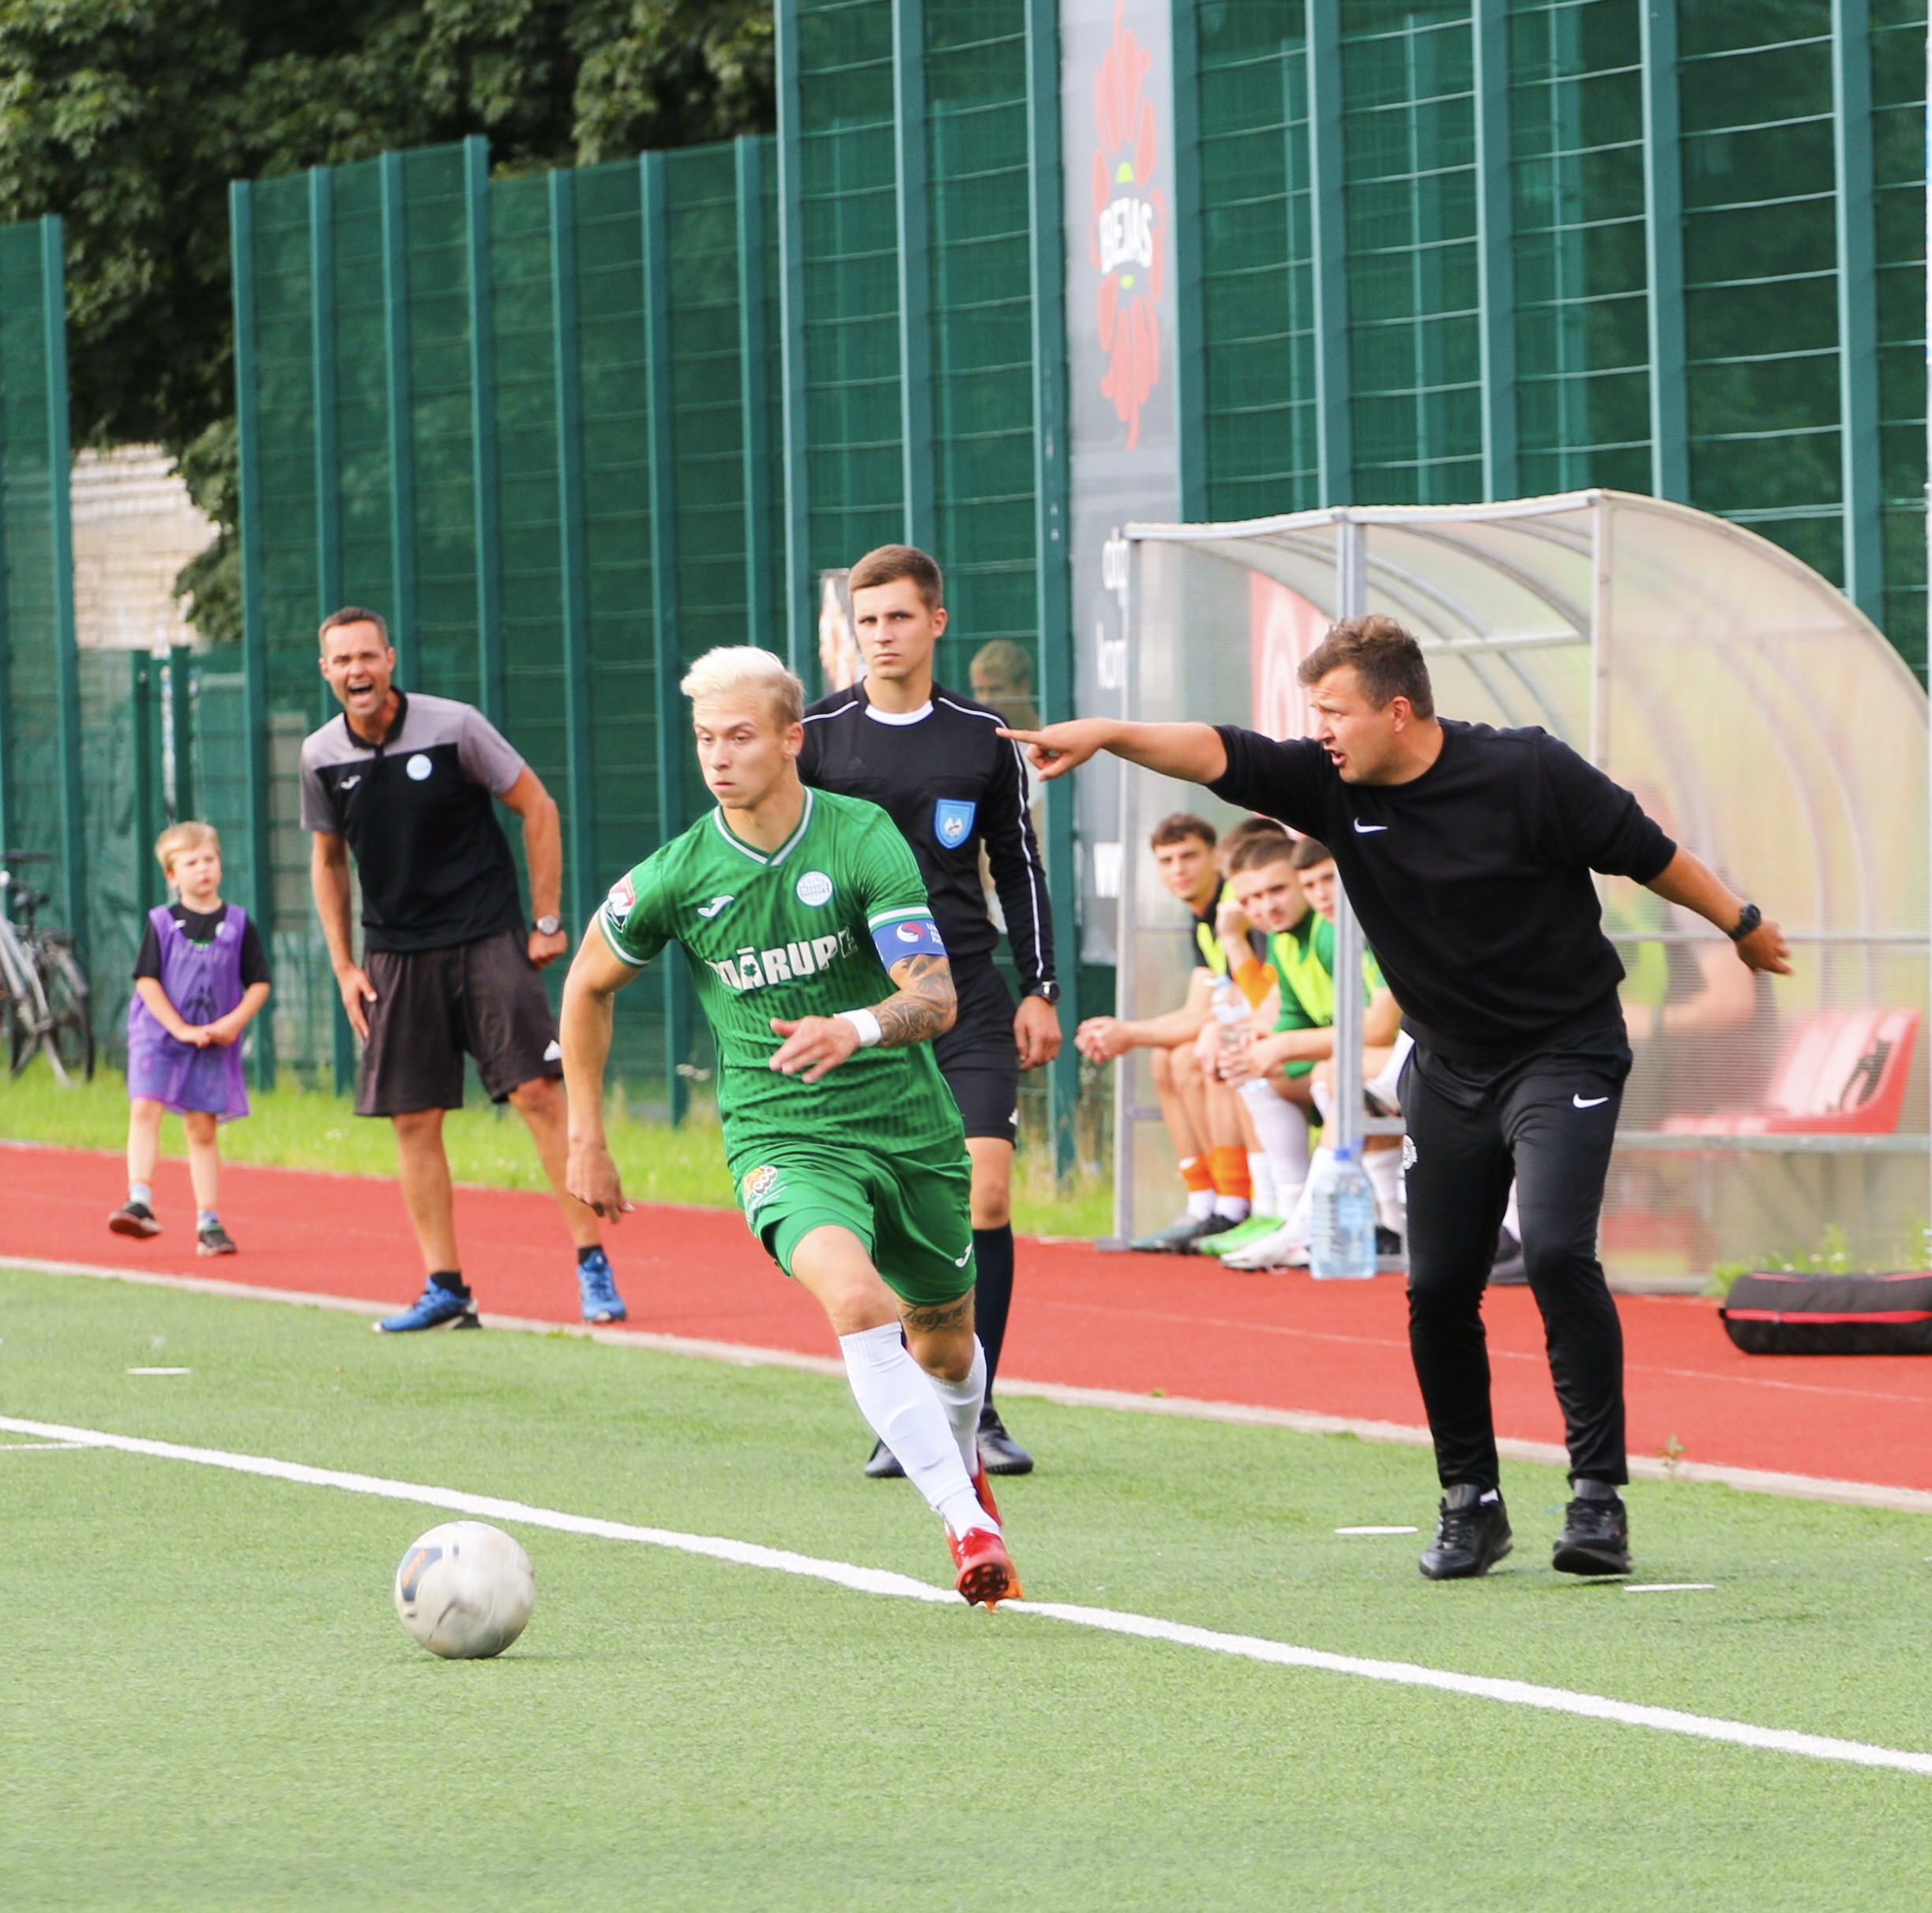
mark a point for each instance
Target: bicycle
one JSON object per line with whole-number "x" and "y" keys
{"x": 43, "y": 995}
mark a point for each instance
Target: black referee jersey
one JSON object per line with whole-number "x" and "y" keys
{"x": 951, "y": 783}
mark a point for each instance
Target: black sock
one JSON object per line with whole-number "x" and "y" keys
{"x": 451, "y": 1279}
{"x": 992, "y": 1256}
{"x": 583, "y": 1255}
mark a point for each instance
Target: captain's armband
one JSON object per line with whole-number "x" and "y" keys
{"x": 913, "y": 935}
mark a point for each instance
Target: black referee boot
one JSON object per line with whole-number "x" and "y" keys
{"x": 1471, "y": 1536}
{"x": 882, "y": 1465}
{"x": 998, "y": 1451}
{"x": 1596, "y": 1532}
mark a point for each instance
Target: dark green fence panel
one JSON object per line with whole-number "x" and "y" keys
{"x": 40, "y": 771}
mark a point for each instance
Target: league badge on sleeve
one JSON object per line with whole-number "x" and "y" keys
{"x": 953, "y": 820}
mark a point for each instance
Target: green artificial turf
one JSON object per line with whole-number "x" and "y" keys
{"x": 206, "y": 1702}
{"x": 294, "y": 1127}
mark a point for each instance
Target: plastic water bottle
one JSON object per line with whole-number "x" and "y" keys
{"x": 1341, "y": 1242}
{"x": 1230, "y": 1012}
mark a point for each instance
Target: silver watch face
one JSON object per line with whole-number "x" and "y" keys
{"x": 548, "y": 926}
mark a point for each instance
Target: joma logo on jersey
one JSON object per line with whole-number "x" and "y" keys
{"x": 753, "y": 969}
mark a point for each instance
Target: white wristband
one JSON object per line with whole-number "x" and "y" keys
{"x": 866, "y": 1024}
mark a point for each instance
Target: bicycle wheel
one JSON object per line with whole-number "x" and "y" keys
{"x": 70, "y": 1035}
{"x": 26, "y": 1013}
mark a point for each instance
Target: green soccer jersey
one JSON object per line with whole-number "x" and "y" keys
{"x": 804, "y": 931}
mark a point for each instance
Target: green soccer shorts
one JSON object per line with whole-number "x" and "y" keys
{"x": 912, "y": 1210}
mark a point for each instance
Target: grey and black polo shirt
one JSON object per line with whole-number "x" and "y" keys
{"x": 418, "y": 810}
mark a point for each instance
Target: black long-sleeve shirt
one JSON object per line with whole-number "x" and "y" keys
{"x": 1472, "y": 882}
{"x": 950, "y": 782}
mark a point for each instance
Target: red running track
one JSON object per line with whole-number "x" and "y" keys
{"x": 1132, "y": 1323}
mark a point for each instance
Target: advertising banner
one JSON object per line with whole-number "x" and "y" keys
{"x": 1117, "y": 116}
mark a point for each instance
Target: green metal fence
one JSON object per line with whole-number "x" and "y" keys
{"x": 1523, "y": 247}
{"x": 567, "y": 431}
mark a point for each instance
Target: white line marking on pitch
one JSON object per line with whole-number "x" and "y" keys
{"x": 881, "y": 1581}
{"x": 42, "y": 1447}
{"x": 1376, "y": 1531}
{"x": 157, "y": 1371}
{"x": 1647, "y": 1467}
{"x": 1670, "y": 1587}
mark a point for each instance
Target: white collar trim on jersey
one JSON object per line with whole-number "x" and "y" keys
{"x": 756, "y": 856}
{"x": 899, "y": 717}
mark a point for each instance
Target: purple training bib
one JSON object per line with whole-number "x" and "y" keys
{"x": 203, "y": 981}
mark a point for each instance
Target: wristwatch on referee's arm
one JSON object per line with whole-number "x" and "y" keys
{"x": 1753, "y": 916}
{"x": 548, "y": 926}
{"x": 1046, "y": 990}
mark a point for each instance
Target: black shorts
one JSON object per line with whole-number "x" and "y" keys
{"x": 978, "y": 1056}
{"x": 485, "y": 998}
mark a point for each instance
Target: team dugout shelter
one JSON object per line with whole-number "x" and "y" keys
{"x": 1756, "y": 713}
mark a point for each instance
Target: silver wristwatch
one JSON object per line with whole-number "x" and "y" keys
{"x": 548, "y": 926}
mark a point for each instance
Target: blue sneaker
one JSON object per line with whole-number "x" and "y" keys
{"x": 437, "y": 1307}
{"x": 596, "y": 1283}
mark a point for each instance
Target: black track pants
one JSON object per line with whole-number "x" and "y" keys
{"x": 1548, "y": 1120}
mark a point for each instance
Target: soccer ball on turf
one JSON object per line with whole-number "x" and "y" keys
{"x": 465, "y": 1590}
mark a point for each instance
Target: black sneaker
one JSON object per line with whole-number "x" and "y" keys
{"x": 1388, "y": 1240}
{"x": 999, "y": 1453}
{"x": 134, "y": 1219}
{"x": 882, "y": 1465}
{"x": 1596, "y": 1533}
{"x": 1179, "y": 1236}
{"x": 213, "y": 1240}
{"x": 1471, "y": 1536}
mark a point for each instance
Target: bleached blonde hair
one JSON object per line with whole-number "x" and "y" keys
{"x": 732, "y": 668}
{"x": 178, "y": 839}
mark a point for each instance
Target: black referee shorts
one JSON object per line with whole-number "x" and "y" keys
{"x": 978, "y": 1056}
{"x": 431, "y": 1006}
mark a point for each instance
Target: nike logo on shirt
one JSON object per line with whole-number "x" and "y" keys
{"x": 1588, "y": 1102}
{"x": 710, "y": 909}
{"x": 1362, "y": 829}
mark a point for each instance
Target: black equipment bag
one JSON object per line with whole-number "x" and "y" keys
{"x": 1830, "y": 1315}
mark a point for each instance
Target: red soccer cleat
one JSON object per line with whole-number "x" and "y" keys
{"x": 982, "y": 1487}
{"x": 985, "y": 1569}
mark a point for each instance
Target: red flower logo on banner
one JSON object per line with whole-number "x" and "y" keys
{"x": 1128, "y": 220}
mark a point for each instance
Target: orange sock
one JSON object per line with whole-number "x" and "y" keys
{"x": 1229, "y": 1168}
{"x": 1197, "y": 1177}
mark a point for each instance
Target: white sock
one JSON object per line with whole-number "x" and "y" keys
{"x": 1283, "y": 1131}
{"x": 142, "y": 1193}
{"x": 962, "y": 1401}
{"x": 896, "y": 1396}
{"x": 1200, "y": 1203}
{"x": 1324, "y": 1094}
{"x": 1233, "y": 1208}
{"x": 1262, "y": 1181}
{"x": 1383, "y": 1167}
{"x": 1300, "y": 1223}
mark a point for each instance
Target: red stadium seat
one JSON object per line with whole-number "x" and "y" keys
{"x": 1843, "y": 1073}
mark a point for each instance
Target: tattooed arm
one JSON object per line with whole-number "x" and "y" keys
{"x": 922, "y": 1008}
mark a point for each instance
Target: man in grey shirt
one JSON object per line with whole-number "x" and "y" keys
{"x": 407, "y": 784}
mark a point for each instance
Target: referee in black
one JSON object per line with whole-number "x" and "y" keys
{"x": 939, "y": 765}
{"x": 1466, "y": 853}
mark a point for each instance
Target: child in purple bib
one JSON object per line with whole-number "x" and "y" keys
{"x": 200, "y": 978}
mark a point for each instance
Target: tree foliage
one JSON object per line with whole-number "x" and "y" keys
{"x": 128, "y": 118}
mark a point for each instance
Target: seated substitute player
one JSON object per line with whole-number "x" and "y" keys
{"x": 798, "y": 910}
{"x": 1203, "y": 1123}
{"x": 936, "y": 764}
{"x": 1289, "y": 889}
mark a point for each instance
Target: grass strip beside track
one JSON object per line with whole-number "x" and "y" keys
{"x": 883, "y": 1582}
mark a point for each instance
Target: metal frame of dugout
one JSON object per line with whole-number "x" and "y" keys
{"x": 1753, "y": 709}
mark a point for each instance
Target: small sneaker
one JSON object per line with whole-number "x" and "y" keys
{"x": 437, "y": 1307}
{"x": 985, "y": 1569}
{"x": 134, "y": 1219}
{"x": 882, "y": 1465}
{"x": 1388, "y": 1240}
{"x": 596, "y": 1286}
{"x": 1180, "y": 1235}
{"x": 213, "y": 1240}
{"x": 1279, "y": 1248}
{"x": 1596, "y": 1533}
{"x": 1239, "y": 1236}
{"x": 1471, "y": 1536}
{"x": 998, "y": 1451}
